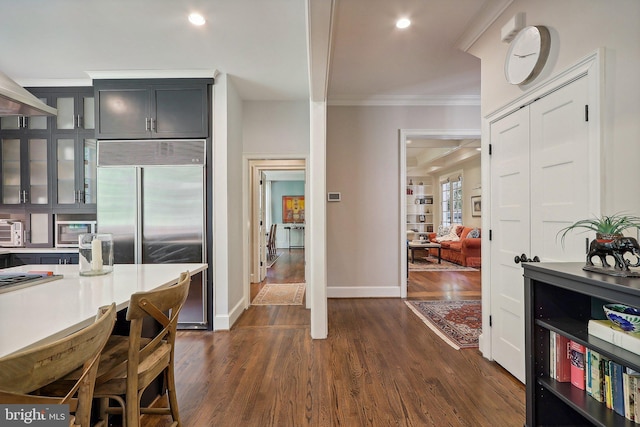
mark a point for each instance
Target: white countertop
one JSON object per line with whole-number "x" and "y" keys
{"x": 54, "y": 309}
{"x": 8, "y": 251}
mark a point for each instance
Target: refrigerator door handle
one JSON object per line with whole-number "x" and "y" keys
{"x": 137, "y": 238}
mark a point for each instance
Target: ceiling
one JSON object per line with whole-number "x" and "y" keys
{"x": 262, "y": 45}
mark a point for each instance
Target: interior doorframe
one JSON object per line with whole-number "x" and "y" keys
{"x": 252, "y": 166}
{"x": 404, "y": 136}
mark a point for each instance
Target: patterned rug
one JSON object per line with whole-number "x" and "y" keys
{"x": 430, "y": 263}
{"x": 280, "y": 294}
{"x": 458, "y": 323}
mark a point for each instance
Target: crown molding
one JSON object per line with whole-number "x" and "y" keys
{"x": 153, "y": 74}
{"x": 488, "y": 15}
{"x": 406, "y": 101}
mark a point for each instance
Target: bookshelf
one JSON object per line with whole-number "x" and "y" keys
{"x": 420, "y": 207}
{"x": 561, "y": 297}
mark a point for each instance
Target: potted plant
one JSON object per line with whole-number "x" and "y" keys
{"x": 607, "y": 227}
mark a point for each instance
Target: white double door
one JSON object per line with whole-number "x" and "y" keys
{"x": 539, "y": 185}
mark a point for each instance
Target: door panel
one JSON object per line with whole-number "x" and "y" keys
{"x": 117, "y": 210}
{"x": 539, "y": 185}
{"x": 511, "y": 234}
{"x": 560, "y": 164}
{"x": 172, "y": 214}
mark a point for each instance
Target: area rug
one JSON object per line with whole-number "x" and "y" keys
{"x": 431, "y": 264}
{"x": 271, "y": 261}
{"x": 280, "y": 294}
{"x": 458, "y": 323}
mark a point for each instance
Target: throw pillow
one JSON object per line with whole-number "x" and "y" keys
{"x": 443, "y": 230}
{"x": 475, "y": 233}
{"x": 452, "y": 236}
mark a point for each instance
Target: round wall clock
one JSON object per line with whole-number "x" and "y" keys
{"x": 527, "y": 55}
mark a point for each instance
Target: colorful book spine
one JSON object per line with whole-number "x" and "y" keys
{"x": 563, "y": 360}
{"x": 587, "y": 370}
{"x": 606, "y": 389}
{"x": 617, "y": 387}
{"x": 552, "y": 354}
{"x": 596, "y": 375}
{"x": 576, "y": 355}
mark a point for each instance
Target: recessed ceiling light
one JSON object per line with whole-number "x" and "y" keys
{"x": 403, "y": 23}
{"x": 197, "y": 19}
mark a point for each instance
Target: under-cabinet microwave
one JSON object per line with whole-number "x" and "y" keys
{"x": 11, "y": 233}
{"x": 67, "y": 232}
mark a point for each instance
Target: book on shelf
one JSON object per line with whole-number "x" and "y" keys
{"x": 610, "y": 332}
{"x": 629, "y": 380}
{"x": 595, "y": 375}
{"x": 552, "y": 354}
{"x": 617, "y": 387}
{"x": 606, "y": 385}
{"x": 576, "y": 357}
{"x": 563, "y": 360}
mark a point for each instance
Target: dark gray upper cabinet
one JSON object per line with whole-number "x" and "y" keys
{"x": 141, "y": 109}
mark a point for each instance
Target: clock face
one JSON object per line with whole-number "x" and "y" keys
{"x": 527, "y": 55}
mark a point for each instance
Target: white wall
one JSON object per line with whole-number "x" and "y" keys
{"x": 363, "y": 163}
{"x": 276, "y": 127}
{"x": 578, "y": 28}
{"x": 227, "y": 184}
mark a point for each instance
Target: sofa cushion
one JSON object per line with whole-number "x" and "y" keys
{"x": 455, "y": 246}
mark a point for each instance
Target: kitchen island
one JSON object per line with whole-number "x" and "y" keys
{"x": 47, "y": 311}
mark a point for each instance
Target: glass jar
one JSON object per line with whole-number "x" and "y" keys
{"x": 96, "y": 253}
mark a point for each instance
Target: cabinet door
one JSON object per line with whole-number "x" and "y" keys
{"x": 180, "y": 112}
{"x": 65, "y": 188}
{"x": 39, "y": 230}
{"x": 24, "y": 259}
{"x": 25, "y": 171}
{"x": 54, "y": 258}
{"x": 123, "y": 113}
{"x": 11, "y": 171}
{"x": 76, "y": 111}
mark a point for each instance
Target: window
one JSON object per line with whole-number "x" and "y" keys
{"x": 451, "y": 192}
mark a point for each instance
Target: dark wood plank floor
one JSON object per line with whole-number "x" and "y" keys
{"x": 380, "y": 366}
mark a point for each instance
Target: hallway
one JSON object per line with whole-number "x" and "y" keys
{"x": 288, "y": 268}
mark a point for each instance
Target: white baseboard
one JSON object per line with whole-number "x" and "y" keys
{"x": 363, "y": 292}
{"x": 223, "y": 322}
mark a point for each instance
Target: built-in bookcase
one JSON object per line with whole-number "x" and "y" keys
{"x": 561, "y": 297}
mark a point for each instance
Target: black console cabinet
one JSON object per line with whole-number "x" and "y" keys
{"x": 142, "y": 109}
{"x": 561, "y": 297}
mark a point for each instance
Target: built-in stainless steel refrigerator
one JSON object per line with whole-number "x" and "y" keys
{"x": 151, "y": 198}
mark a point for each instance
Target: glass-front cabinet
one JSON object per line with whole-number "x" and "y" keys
{"x": 25, "y": 171}
{"x": 76, "y": 111}
{"x": 74, "y": 150}
{"x": 75, "y": 172}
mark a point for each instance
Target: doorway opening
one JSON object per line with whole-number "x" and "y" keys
{"x": 277, "y": 221}
{"x": 440, "y": 174}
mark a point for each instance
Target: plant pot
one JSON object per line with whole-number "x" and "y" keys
{"x": 604, "y": 238}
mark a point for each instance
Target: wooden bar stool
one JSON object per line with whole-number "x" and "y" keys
{"x": 29, "y": 370}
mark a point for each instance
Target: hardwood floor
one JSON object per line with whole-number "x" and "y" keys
{"x": 379, "y": 366}
{"x": 288, "y": 268}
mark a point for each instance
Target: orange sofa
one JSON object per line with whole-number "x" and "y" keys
{"x": 466, "y": 251}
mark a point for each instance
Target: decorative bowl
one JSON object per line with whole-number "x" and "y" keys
{"x": 626, "y": 317}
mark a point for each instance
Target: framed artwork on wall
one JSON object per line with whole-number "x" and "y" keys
{"x": 292, "y": 209}
{"x": 476, "y": 205}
